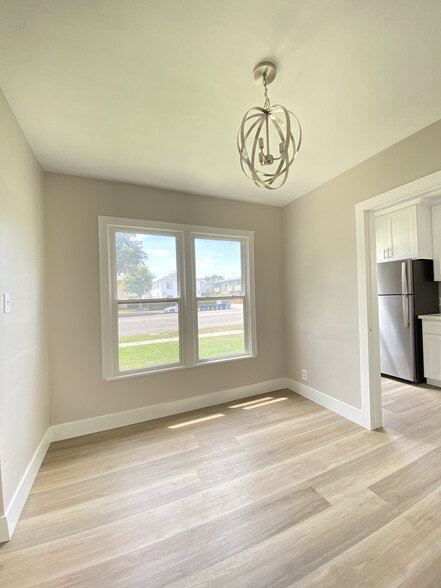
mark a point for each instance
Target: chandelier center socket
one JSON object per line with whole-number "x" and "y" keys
{"x": 265, "y": 71}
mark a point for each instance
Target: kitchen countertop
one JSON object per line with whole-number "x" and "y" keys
{"x": 431, "y": 317}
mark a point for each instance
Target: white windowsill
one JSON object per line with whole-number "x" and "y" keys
{"x": 165, "y": 369}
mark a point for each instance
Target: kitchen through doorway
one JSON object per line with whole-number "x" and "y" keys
{"x": 371, "y": 381}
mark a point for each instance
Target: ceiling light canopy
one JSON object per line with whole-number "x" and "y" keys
{"x": 266, "y": 131}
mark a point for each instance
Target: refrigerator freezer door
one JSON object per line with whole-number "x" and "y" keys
{"x": 394, "y": 276}
{"x": 397, "y": 341}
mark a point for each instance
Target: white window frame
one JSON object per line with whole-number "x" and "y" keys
{"x": 186, "y": 288}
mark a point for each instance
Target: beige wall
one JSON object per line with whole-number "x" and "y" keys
{"x": 320, "y": 264}
{"x": 24, "y": 403}
{"x": 72, "y": 208}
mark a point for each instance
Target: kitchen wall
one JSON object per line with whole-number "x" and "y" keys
{"x": 24, "y": 400}
{"x": 72, "y": 208}
{"x": 320, "y": 265}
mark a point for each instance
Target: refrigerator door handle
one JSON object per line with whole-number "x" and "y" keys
{"x": 406, "y": 320}
{"x": 404, "y": 283}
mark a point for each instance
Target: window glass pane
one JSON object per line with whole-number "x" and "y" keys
{"x": 145, "y": 266}
{"x": 220, "y": 327}
{"x": 218, "y": 268}
{"x": 148, "y": 335}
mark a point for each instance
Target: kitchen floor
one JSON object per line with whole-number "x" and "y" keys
{"x": 400, "y": 399}
{"x": 277, "y": 492}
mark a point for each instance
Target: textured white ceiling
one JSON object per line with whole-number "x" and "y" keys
{"x": 153, "y": 92}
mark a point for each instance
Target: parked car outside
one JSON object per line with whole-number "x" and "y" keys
{"x": 174, "y": 308}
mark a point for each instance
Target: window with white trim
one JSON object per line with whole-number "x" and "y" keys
{"x": 210, "y": 315}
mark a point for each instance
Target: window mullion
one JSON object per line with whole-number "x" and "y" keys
{"x": 188, "y": 314}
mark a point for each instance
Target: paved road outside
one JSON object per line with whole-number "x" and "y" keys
{"x": 158, "y": 323}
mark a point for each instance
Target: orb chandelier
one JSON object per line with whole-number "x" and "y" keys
{"x": 265, "y": 131}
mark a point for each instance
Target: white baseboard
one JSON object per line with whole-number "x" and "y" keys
{"x": 434, "y": 382}
{"x": 10, "y": 519}
{"x": 4, "y": 531}
{"x": 148, "y": 413}
{"x": 345, "y": 410}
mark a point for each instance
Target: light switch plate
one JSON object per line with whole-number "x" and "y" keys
{"x": 6, "y": 303}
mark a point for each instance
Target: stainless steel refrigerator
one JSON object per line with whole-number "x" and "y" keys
{"x": 405, "y": 290}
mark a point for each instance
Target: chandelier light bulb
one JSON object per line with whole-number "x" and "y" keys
{"x": 264, "y": 128}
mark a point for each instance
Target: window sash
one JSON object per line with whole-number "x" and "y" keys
{"x": 134, "y": 230}
{"x": 246, "y": 329}
{"x": 244, "y": 256}
{"x": 155, "y": 367}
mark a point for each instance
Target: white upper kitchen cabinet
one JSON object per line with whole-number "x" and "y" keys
{"x": 404, "y": 232}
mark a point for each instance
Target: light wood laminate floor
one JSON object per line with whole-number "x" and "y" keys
{"x": 283, "y": 494}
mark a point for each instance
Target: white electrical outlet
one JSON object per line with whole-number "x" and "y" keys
{"x": 304, "y": 375}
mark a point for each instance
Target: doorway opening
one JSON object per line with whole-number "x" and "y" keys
{"x": 369, "y": 336}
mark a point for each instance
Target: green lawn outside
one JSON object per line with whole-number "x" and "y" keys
{"x": 169, "y": 334}
{"x": 139, "y": 356}
{"x": 223, "y": 345}
{"x": 146, "y": 337}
